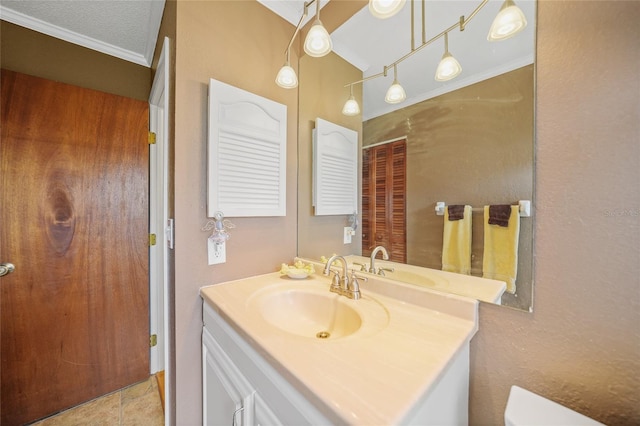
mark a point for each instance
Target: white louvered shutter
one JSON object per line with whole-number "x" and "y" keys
{"x": 335, "y": 169}
{"x": 246, "y": 153}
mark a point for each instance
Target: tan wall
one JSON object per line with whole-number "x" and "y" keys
{"x": 322, "y": 95}
{"x": 581, "y": 345}
{"x": 240, "y": 43}
{"x": 470, "y": 146}
{"x": 36, "y": 54}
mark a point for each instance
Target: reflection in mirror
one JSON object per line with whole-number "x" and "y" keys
{"x": 467, "y": 141}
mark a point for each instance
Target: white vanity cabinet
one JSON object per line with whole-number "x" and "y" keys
{"x": 411, "y": 370}
{"x": 241, "y": 388}
{"x": 227, "y": 394}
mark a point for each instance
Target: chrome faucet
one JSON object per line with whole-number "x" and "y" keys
{"x": 342, "y": 284}
{"x": 385, "y": 256}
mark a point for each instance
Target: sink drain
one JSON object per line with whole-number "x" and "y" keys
{"x": 323, "y": 335}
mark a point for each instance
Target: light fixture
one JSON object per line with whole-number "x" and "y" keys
{"x": 448, "y": 67}
{"x": 396, "y": 93}
{"x": 385, "y": 8}
{"x": 318, "y": 42}
{"x": 287, "y": 78}
{"x": 508, "y": 22}
{"x": 351, "y": 107}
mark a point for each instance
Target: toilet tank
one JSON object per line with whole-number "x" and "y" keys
{"x": 525, "y": 408}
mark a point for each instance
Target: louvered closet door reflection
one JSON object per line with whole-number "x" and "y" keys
{"x": 383, "y": 199}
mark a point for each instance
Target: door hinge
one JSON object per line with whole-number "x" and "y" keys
{"x": 152, "y": 138}
{"x": 170, "y": 231}
{"x": 153, "y": 340}
{"x": 152, "y": 240}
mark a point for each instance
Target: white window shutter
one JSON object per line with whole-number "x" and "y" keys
{"x": 335, "y": 169}
{"x": 246, "y": 153}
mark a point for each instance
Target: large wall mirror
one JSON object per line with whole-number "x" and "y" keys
{"x": 469, "y": 140}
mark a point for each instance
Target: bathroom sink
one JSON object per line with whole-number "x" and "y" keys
{"x": 386, "y": 358}
{"x": 312, "y": 311}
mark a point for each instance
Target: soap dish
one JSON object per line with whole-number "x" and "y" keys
{"x": 297, "y": 274}
{"x": 298, "y": 271}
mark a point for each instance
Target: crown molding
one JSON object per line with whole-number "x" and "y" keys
{"x": 43, "y": 27}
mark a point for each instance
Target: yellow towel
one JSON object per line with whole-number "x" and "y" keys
{"x": 500, "y": 259}
{"x": 456, "y": 243}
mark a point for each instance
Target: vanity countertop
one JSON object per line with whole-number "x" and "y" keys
{"x": 369, "y": 377}
{"x": 483, "y": 289}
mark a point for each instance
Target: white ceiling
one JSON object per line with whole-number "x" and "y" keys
{"x": 292, "y": 10}
{"x": 126, "y": 29}
{"x": 370, "y": 44}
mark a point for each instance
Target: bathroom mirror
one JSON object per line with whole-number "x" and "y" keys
{"x": 468, "y": 141}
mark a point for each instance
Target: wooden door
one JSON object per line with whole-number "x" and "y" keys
{"x": 74, "y": 222}
{"x": 384, "y": 200}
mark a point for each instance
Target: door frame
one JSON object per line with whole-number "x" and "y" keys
{"x": 160, "y": 224}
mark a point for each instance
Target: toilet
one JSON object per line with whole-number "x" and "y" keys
{"x": 525, "y": 408}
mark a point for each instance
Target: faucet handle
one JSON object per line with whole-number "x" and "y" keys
{"x": 354, "y": 286}
{"x": 363, "y": 267}
{"x": 355, "y": 277}
{"x": 382, "y": 269}
{"x": 335, "y": 280}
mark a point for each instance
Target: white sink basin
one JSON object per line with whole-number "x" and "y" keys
{"x": 312, "y": 311}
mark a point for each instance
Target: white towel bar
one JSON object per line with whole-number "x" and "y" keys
{"x": 525, "y": 208}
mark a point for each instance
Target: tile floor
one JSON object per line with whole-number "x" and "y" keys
{"x": 135, "y": 405}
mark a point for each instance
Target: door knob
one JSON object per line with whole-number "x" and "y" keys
{"x": 6, "y": 268}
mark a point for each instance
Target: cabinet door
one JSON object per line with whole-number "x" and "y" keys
{"x": 263, "y": 414}
{"x": 227, "y": 395}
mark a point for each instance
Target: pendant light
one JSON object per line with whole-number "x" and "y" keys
{"x": 396, "y": 93}
{"x": 449, "y": 67}
{"x": 287, "y": 78}
{"x": 351, "y": 107}
{"x": 318, "y": 42}
{"x": 508, "y": 22}
{"x": 384, "y": 9}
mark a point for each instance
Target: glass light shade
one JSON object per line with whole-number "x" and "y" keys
{"x": 287, "y": 77}
{"x": 351, "y": 107}
{"x": 385, "y": 8}
{"x": 318, "y": 42}
{"x": 395, "y": 94}
{"x": 448, "y": 68}
{"x": 507, "y": 23}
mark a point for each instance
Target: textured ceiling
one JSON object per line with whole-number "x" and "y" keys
{"x": 127, "y": 29}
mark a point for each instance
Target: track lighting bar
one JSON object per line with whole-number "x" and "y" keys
{"x": 299, "y": 26}
{"x": 460, "y": 24}
{"x": 449, "y": 68}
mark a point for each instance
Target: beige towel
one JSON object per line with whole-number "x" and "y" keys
{"x": 456, "y": 243}
{"x": 500, "y": 259}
